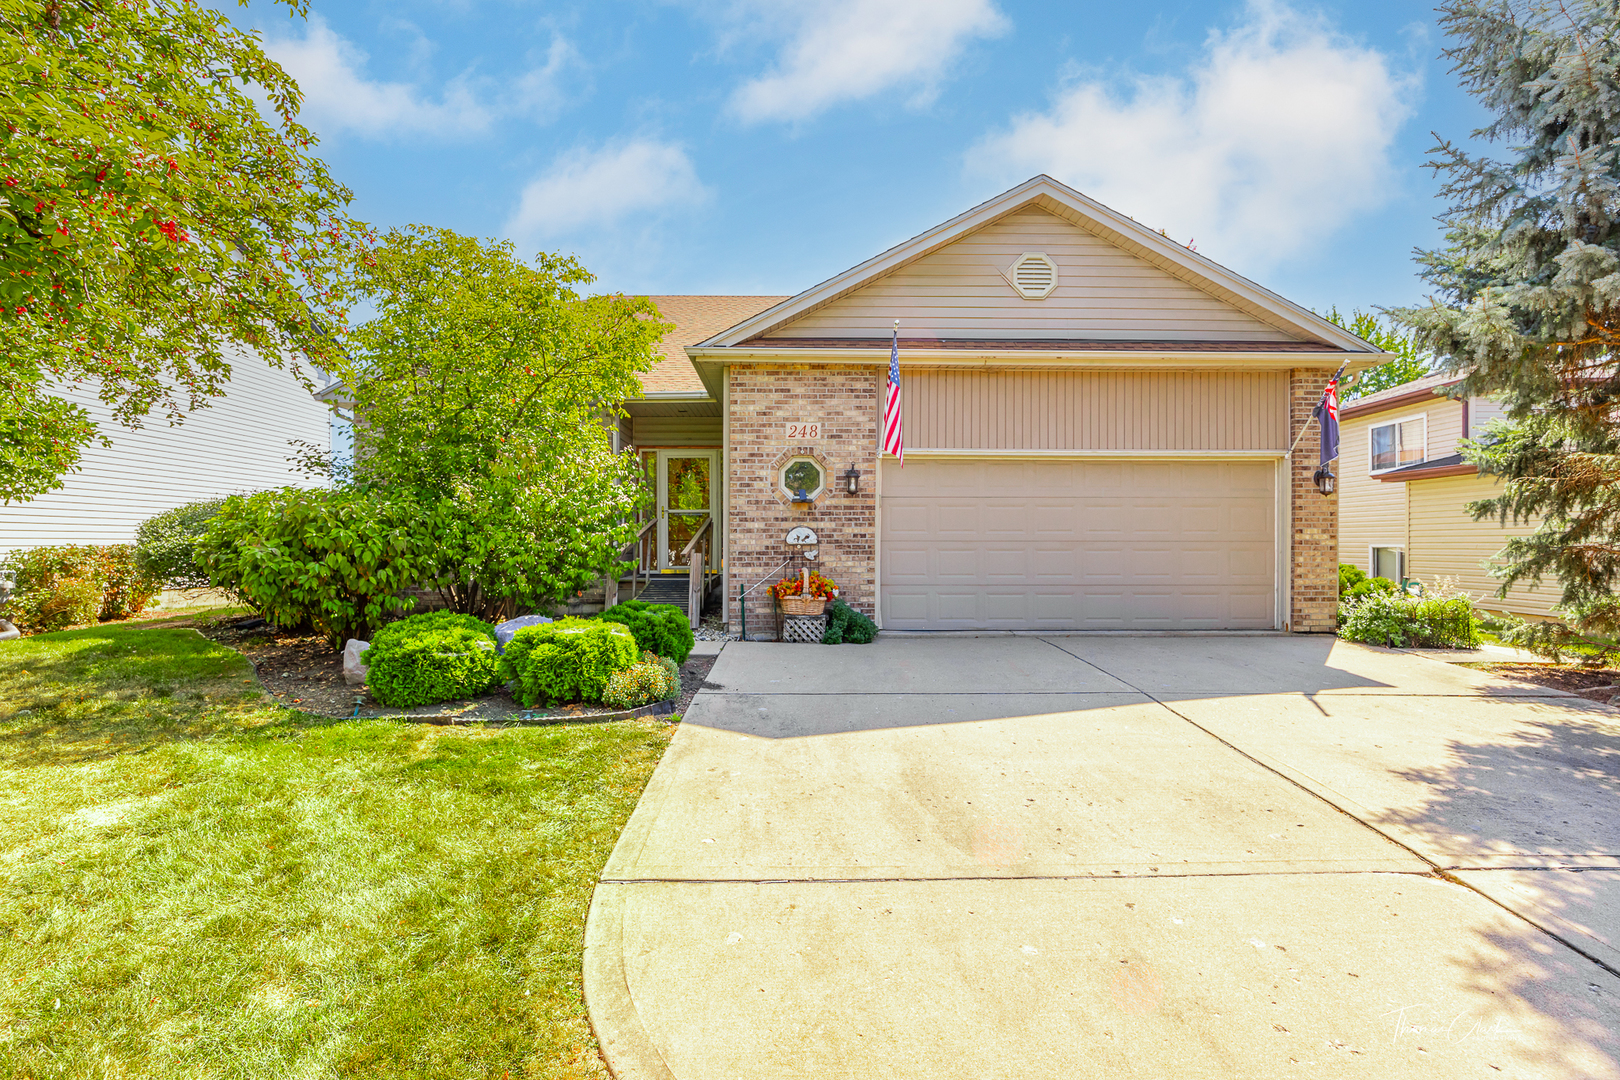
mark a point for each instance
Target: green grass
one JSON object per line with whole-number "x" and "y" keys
{"x": 196, "y": 882}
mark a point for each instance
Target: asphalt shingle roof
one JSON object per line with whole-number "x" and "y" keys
{"x": 696, "y": 318}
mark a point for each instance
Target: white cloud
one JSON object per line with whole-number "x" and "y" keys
{"x": 541, "y": 92}
{"x": 337, "y": 97}
{"x": 596, "y": 188}
{"x": 1278, "y": 136}
{"x": 846, "y": 50}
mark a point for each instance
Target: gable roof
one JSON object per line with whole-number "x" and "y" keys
{"x": 695, "y": 318}
{"x": 1291, "y": 320}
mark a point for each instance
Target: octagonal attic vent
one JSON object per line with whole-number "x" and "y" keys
{"x": 1033, "y": 274}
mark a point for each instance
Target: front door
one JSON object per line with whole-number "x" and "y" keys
{"x": 685, "y": 499}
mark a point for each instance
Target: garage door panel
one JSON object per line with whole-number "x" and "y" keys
{"x": 1054, "y": 566}
{"x": 956, "y": 565}
{"x": 1078, "y": 544}
{"x": 1005, "y": 565}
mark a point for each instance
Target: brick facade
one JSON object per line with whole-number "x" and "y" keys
{"x": 844, "y": 400}
{"x": 764, "y": 400}
{"x": 1313, "y": 532}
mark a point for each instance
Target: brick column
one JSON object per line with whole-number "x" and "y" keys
{"x": 1313, "y": 533}
{"x": 764, "y": 399}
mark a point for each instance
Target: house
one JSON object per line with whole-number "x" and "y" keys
{"x": 1099, "y": 428}
{"x": 240, "y": 443}
{"x": 1403, "y": 486}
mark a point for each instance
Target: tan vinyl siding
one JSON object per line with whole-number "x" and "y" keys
{"x": 676, "y": 431}
{"x": 1372, "y": 513}
{"x": 1102, "y": 293}
{"x": 1447, "y": 542}
{"x": 239, "y": 444}
{"x": 1096, "y": 410}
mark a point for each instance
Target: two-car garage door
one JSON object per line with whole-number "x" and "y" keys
{"x": 1085, "y": 544}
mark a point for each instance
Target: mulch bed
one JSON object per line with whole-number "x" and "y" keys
{"x": 302, "y": 672}
{"x": 1598, "y": 684}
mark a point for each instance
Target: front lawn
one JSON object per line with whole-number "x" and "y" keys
{"x": 197, "y": 882}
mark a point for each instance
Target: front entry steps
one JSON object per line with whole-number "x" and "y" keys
{"x": 667, "y": 589}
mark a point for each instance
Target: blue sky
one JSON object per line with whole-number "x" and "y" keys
{"x": 761, "y": 146}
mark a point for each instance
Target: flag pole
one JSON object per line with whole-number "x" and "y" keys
{"x": 1312, "y": 416}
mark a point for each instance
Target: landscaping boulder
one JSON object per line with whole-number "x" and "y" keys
{"x": 354, "y": 672}
{"x": 504, "y": 632}
{"x": 7, "y": 631}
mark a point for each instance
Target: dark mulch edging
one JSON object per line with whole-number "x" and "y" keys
{"x": 302, "y": 672}
{"x": 1577, "y": 680}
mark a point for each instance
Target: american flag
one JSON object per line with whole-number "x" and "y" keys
{"x": 893, "y": 442}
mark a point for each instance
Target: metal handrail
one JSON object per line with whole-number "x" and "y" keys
{"x": 742, "y": 593}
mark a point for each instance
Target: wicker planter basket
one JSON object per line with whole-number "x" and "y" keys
{"x": 802, "y": 605}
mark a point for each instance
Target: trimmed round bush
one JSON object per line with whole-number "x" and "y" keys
{"x": 656, "y": 678}
{"x": 413, "y": 625}
{"x": 166, "y": 545}
{"x": 846, "y": 626}
{"x": 661, "y": 629}
{"x": 424, "y": 659}
{"x": 568, "y": 660}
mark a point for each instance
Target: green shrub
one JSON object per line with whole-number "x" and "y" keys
{"x": 335, "y": 560}
{"x": 846, "y": 626}
{"x": 655, "y": 678}
{"x": 415, "y": 625}
{"x": 659, "y": 628}
{"x": 568, "y": 660}
{"x": 166, "y": 545}
{"x": 432, "y": 663}
{"x": 1369, "y": 587}
{"x": 1403, "y": 621}
{"x": 76, "y": 584}
{"x": 1349, "y": 577}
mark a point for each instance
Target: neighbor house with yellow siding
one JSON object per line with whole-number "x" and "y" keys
{"x": 1404, "y": 489}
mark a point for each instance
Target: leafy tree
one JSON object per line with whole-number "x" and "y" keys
{"x": 1407, "y": 366}
{"x": 484, "y": 389}
{"x": 150, "y": 216}
{"x": 1527, "y": 304}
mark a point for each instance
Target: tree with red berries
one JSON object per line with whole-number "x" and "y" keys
{"x": 152, "y": 219}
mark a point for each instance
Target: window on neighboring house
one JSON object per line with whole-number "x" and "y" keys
{"x": 1398, "y": 444}
{"x": 1389, "y": 562}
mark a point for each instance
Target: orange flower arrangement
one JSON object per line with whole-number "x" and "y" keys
{"x": 821, "y": 588}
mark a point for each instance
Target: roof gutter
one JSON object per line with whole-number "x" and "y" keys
{"x": 1094, "y": 358}
{"x": 1396, "y": 401}
{"x": 1405, "y": 476}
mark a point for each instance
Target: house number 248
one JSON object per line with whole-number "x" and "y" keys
{"x": 804, "y": 431}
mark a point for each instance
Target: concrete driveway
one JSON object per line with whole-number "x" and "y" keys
{"x": 1116, "y": 856}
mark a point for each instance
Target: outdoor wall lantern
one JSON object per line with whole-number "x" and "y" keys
{"x": 1324, "y": 480}
{"x": 852, "y": 479}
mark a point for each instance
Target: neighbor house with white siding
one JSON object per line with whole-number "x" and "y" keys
{"x": 1099, "y": 422}
{"x": 1404, "y": 489}
{"x": 239, "y": 443}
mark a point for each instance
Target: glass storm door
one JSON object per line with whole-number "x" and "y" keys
{"x": 685, "y": 490}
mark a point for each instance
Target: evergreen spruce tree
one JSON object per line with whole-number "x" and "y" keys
{"x": 1527, "y": 308}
